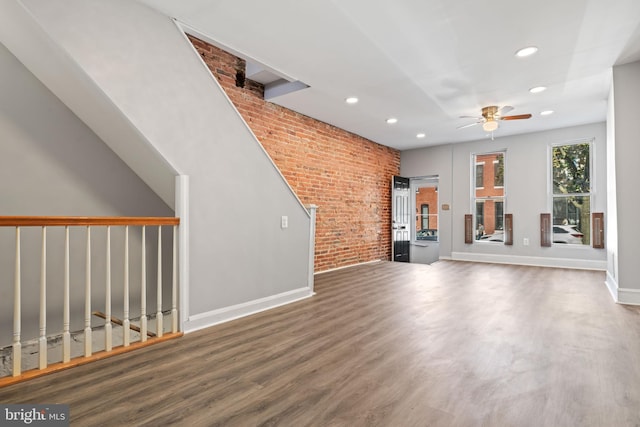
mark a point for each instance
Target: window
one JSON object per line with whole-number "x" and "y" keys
{"x": 426, "y": 204}
{"x": 479, "y": 175}
{"x": 499, "y": 219}
{"x": 498, "y": 173}
{"x": 489, "y": 196}
{"x": 479, "y": 219}
{"x": 571, "y": 193}
{"x": 424, "y": 218}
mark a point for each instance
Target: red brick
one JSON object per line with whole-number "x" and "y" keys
{"x": 346, "y": 175}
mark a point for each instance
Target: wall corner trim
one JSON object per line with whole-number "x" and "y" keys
{"x": 182, "y": 211}
{"x": 612, "y": 285}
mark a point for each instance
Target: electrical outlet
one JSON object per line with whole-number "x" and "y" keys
{"x": 525, "y": 241}
{"x": 284, "y": 221}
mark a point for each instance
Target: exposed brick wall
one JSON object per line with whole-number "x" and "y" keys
{"x": 427, "y": 196}
{"x": 347, "y": 176}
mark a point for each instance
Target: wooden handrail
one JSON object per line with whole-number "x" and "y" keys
{"x": 66, "y": 222}
{"x": 41, "y": 221}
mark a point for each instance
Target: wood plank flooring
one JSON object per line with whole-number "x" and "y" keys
{"x": 385, "y": 344}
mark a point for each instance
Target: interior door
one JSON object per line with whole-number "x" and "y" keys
{"x": 401, "y": 220}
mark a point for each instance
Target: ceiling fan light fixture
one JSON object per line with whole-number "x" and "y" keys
{"x": 490, "y": 125}
{"x": 526, "y": 51}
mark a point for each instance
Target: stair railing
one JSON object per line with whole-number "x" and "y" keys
{"x": 145, "y": 335}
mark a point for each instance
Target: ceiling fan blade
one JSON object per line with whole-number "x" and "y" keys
{"x": 468, "y": 126}
{"x": 471, "y": 117}
{"x": 504, "y": 110}
{"x": 518, "y": 117}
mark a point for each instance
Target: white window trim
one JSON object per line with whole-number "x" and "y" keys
{"x": 413, "y": 186}
{"x": 592, "y": 181}
{"x": 484, "y": 199}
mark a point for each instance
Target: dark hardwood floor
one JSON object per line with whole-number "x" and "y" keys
{"x": 385, "y": 344}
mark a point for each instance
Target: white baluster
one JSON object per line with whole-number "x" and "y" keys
{"x": 174, "y": 281}
{"x": 17, "y": 347}
{"x": 87, "y": 298}
{"x": 66, "y": 334}
{"x": 159, "y": 325}
{"x": 108, "y": 339}
{"x": 125, "y": 321}
{"x": 42, "y": 353}
{"x": 143, "y": 288}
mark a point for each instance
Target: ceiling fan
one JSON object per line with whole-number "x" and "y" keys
{"x": 490, "y": 117}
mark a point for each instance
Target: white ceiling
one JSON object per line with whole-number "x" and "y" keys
{"x": 427, "y": 62}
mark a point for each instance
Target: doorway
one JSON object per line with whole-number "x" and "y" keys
{"x": 425, "y": 236}
{"x": 415, "y": 237}
{"x": 401, "y": 219}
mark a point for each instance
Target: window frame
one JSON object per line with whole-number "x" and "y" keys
{"x": 475, "y": 199}
{"x": 417, "y": 183}
{"x": 551, "y": 196}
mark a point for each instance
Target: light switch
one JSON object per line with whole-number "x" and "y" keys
{"x": 284, "y": 221}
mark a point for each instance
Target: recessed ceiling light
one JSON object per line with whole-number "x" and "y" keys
{"x": 421, "y": 135}
{"x": 537, "y": 89}
{"x": 392, "y": 120}
{"x": 526, "y": 51}
{"x": 351, "y": 100}
{"x": 546, "y": 112}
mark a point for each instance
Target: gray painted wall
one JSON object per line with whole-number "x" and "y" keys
{"x": 51, "y": 64}
{"x": 434, "y": 161}
{"x": 526, "y": 177}
{"x": 152, "y": 75}
{"x": 53, "y": 164}
{"x": 627, "y": 152}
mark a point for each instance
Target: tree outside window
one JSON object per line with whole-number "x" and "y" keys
{"x": 571, "y": 188}
{"x": 498, "y": 171}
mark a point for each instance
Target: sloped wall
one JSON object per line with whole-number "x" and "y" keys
{"x": 240, "y": 259}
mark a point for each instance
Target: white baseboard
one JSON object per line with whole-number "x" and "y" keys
{"x": 622, "y": 295}
{"x": 348, "y": 266}
{"x": 214, "y": 317}
{"x": 628, "y": 296}
{"x": 528, "y": 260}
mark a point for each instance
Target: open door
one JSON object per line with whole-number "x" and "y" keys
{"x": 401, "y": 220}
